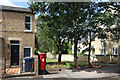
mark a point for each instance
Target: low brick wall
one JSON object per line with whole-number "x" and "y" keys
{"x": 100, "y": 59}
{"x": 84, "y": 58}
{"x": 65, "y": 57}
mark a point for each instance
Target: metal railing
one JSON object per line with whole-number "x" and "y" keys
{"x": 3, "y": 66}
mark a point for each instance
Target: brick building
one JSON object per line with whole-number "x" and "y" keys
{"x": 18, "y": 34}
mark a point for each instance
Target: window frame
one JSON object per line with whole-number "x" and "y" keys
{"x": 30, "y": 23}
{"x": 113, "y": 52}
{"x": 30, "y": 51}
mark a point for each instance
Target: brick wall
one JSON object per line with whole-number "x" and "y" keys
{"x": 0, "y": 57}
{"x": 13, "y": 29}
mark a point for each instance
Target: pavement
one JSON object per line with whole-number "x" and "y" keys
{"x": 81, "y": 74}
{"x": 109, "y": 72}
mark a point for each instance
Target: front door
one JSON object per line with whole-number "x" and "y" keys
{"x": 14, "y": 55}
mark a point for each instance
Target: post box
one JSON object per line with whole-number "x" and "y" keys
{"x": 42, "y": 63}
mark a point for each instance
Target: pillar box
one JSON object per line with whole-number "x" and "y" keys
{"x": 42, "y": 63}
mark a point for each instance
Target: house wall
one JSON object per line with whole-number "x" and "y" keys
{"x": 0, "y": 56}
{"x": 108, "y": 48}
{"x": 100, "y": 59}
{"x": 1, "y": 48}
{"x": 13, "y": 29}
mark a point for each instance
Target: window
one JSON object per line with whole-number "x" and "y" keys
{"x": 27, "y": 23}
{"x": 115, "y": 36}
{"x": 27, "y": 51}
{"x": 114, "y": 50}
{"x": 103, "y": 51}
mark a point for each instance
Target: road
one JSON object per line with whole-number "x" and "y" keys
{"x": 109, "y": 72}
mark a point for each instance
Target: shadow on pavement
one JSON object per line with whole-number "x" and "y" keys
{"x": 50, "y": 72}
{"x": 110, "y": 68}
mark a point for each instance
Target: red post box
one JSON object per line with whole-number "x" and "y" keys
{"x": 42, "y": 63}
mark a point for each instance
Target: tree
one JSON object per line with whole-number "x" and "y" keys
{"x": 70, "y": 21}
{"x": 51, "y": 15}
{"x": 43, "y": 41}
{"x": 98, "y": 15}
{"x": 66, "y": 20}
{"x": 74, "y": 18}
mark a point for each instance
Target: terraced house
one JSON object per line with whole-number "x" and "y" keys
{"x": 17, "y": 34}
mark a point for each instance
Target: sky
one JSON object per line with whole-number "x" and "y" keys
{"x": 21, "y": 3}
{"x": 15, "y": 3}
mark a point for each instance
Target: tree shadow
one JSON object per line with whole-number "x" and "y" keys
{"x": 110, "y": 68}
{"x": 49, "y": 73}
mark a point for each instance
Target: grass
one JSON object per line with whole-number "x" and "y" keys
{"x": 51, "y": 64}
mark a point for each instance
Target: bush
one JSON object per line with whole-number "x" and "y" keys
{"x": 77, "y": 53}
{"x": 71, "y": 53}
{"x": 81, "y": 53}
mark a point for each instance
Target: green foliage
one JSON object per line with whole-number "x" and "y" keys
{"x": 77, "y": 53}
{"x": 102, "y": 36}
{"x": 59, "y": 22}
{"x": 71, "y": 53}
{"x": 70, "y": 47}
{"x": 44, "y": 43}
{"x": 81, "y": 53}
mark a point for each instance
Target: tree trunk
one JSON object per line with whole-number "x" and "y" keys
{"x": 75, "y": 49}
{"x": 59, "y": 57}
{"x": 89, "y": 51}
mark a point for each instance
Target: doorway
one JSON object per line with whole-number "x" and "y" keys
{"x": 14, "y": 53}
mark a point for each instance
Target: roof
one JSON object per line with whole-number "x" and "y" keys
{"x": 16, "y": 9}
{"x": 7, "y": 3}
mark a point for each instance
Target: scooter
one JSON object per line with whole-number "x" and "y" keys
{"x": 95, "y": 66}
{"x": 77, "y": 65}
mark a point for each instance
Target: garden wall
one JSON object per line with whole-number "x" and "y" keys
{"x": 100, "y": 59}
{"x": 84, "y": 58}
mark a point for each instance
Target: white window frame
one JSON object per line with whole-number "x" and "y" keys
{"x": 30, "y": 24}
{"x": 113, "y": 52}
{"x": 27, "y": 47}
